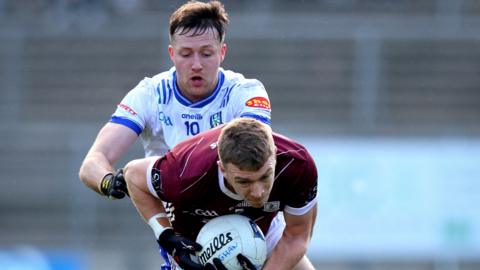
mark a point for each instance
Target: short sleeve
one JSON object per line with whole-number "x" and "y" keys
{"x": 163, "y": 179}
{"x": 251, "y": 100}
{"x": 305, "y": 188}
{"x": 135, "y": 108}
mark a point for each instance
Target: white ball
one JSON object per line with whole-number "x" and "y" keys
{"x": 226, "y": 236}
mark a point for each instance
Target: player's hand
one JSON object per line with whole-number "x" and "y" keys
{"x": 244, "y": 262}
{"x": 114, "y": 185}
{"x": 180, "y": 249}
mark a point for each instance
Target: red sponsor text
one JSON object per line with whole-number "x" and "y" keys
{"x": 258, "y": 102}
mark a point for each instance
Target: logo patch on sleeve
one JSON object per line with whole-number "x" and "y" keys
{"x": 258, "y": 102}
{"x": 156, "y": 180}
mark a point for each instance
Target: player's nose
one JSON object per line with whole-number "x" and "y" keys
{"x": 196, "y": 64}
{"x": 257, "y": 190}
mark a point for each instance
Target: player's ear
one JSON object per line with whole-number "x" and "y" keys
{"x": 223, "y": 51}
{"x": 170, "y": 51}
{"x": 220, "y": 165}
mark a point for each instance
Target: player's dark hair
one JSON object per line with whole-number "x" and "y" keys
{"x": 199, "y": 17}
{"x": 246, "y": 143}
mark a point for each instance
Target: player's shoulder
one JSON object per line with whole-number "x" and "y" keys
{"x": 165, "y": 75}
{"x": 155, "y": 88}
{"x": 290, "y": 148}
{"x": 295, "y": 165}
{"x": 239, "y": 81}
{"x": 149, "y": 85}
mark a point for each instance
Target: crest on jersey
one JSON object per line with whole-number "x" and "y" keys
{"x": 271, "y": 206}
{"x": 216, "y": 119}
{"x": 258, "y": 102}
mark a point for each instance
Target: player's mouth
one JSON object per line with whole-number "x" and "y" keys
{"x": 197, "y": 81}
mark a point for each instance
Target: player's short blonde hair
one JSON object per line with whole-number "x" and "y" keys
{"x": 246, "y": 143}
{"x": 199, "y": 17}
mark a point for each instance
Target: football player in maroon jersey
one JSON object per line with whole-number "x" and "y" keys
{"x": 241, "y": 167}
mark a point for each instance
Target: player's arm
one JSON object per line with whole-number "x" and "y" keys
{"x": 147, "y": 205}
{"x": 294, "y": 242}
{"x": 111, "y": 143}
{"x": 152, "y": 211}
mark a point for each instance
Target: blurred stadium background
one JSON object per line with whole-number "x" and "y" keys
{"x": 385, "y": 93}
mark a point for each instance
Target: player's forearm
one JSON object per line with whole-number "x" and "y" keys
{"x": 146, "y": 204}
{"x": 93, "y": 169}
{"x": 287, "y": 253}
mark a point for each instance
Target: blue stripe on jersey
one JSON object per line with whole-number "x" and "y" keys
{"x": 260, "y": 118}
{"x": 226, "y": 98}
{"x": 183, "y": 100}
{"x": 164, "y": 93}
{"x": 159, "y": 96}
{"x": 128, "y": 123}
{"x": 169, "y": 96}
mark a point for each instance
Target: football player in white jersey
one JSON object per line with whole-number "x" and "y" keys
{"x": 193, "y": 96}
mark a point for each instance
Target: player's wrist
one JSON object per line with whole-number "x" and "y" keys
{"x": 105, "y": 183}
{"x": 157, "y": 228}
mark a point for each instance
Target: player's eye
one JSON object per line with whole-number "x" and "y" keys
{"x": 207, "y": 53}
{"x": 265, "y": 178}
{"x": 185, "y": 53}
{"x": 243, "y": 183}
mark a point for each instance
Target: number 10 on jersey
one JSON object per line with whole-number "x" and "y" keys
{"x": 193, "y": 128}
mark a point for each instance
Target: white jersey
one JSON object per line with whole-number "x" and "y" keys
{"x": 157, "y": 111}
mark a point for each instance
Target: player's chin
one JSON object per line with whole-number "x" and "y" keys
{"x": 257, "y": 204}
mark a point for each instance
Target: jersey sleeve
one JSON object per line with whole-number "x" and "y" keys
{"x": 251, "y": 100}
{"x": 305, "y": 188}
{"x": 135, "y": 109}
{"x": 162, "y": 178}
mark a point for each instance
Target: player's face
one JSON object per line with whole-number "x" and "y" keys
{"x": 197, "y": 60}
{"x": 253, "y": 186}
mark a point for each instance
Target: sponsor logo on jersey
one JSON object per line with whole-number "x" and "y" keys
{"x": 216, "y": 119}
{"x": 195, "y": 116}
{"x": 241, "y": 204}
{"x": 267, "y": 207}
{"x": 215, "y": 245}
{"x": 258, "y": 102}
{"x": 126, "y": 108}
{"x": 165, "y": 119}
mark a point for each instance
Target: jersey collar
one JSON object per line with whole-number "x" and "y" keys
{"x": 199, "y": 104}
{"x": 224, "y": 189}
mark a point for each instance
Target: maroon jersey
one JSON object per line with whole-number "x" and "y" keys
{"x": 188, "y": 178}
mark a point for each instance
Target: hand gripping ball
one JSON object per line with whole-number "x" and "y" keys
{"x": 226, "y": 236}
